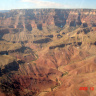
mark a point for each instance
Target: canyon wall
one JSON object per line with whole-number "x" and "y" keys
{"x": 20, "y": 20}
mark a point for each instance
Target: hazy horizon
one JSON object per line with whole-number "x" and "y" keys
{"x": 50, "y": 8}
{"x": 39, "y": 4}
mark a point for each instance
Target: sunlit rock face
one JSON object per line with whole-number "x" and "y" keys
{"x": 43, "y": 17}
{"x": 47, "y": 52}
{"x": 21, "y": 22}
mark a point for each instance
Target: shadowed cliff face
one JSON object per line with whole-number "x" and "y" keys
{"x": 29, "y": 19}
{"x": 60, "y": 17}
{"x": 2, "y": 32}
{"x": 16, "y": 25}
{"x": 47, "y": 52}
{"x": 10, "y": 67}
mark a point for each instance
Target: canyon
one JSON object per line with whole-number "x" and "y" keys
{"x": 47, "y": 52}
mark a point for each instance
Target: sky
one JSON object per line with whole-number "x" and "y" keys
{"x": 61, "y": 4}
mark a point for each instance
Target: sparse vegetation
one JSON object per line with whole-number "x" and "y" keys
{"x": 65, "y": 73}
